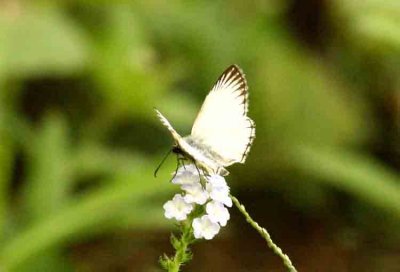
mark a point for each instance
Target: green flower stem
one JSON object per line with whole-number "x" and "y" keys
{"x": 263, "y": 232}
{"x": 182, "y": 252}
{"x": 181, "y": 246}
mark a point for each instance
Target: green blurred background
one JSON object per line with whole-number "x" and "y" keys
{"x": 79, "y": 140}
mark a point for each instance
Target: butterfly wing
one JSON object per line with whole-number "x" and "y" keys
{"x": 166, "y": 123}
{"x": 222, "y": 123}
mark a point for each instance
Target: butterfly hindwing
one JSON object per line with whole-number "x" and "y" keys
{"x": 222, "y": 123}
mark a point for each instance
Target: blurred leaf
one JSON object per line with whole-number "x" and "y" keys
{"x": 300, "y": 100}
{"x": 149, "y": 216}
{"x": 50, "y": 260}
{"x": 6, "y": 165}
{"x": 7, "y": 158}
{"x": 358, "y": 175}
{"x": 40, "y": 41}
{"x": 89, "y": 212}
{"x": 49, "y": 173}
{"x": 91, "y": 159}
{"x": 375, "y": 23}
{"x": 381, "y": 29}
{"x": 199, "y": 40}
{"x": 124, "y": 69}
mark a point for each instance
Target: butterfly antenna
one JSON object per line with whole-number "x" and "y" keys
{"x": 161, "y": 163}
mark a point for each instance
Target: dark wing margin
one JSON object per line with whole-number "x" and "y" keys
{"x": 252, "y": 136}
{"x": 233, "y": 77}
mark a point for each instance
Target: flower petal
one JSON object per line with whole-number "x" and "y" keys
{"x": 177, "y": 208}
{"x": 203, "y": 227}
{"x": 217, "y": 213}
{"x": 195, "y": 193}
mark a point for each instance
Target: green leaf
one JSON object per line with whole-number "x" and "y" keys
{"x": 300, "y": 100}
{"x": 375, "y": 24}
{"x": 49, "y": 171}
{"x": 360, "y": 176}
{"x": 89, "y": 212}
{"x": 123, "y": 68}
{"x": 6, "y": 165}
{"x": 175, "y": 242}
{"x": 42, "y": 41}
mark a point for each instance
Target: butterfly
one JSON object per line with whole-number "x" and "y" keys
{"x": 222, "y": 133}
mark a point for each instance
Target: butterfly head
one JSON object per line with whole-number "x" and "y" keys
{"x": 177, "y": 150}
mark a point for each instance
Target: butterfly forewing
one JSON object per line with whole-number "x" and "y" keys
{"x": 166, "y": 123}
{"x": 222, "y": 123}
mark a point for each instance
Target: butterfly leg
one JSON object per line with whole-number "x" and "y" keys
{"x": 183, "y": 162}
{"x": 198, "y": 171}
{"x": 178, "y": 162}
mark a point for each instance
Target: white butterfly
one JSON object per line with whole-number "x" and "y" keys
{"x": 222, "y": 132}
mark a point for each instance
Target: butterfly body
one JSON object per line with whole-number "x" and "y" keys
{"x": 203, "y": 155}
{"x": 222, "y": 132}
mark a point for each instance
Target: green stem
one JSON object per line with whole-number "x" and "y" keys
{"x": 182, "y": 252}
{"x": 263, "y": 232}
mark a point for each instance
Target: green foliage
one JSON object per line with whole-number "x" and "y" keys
{"x": 41, "y": 41}
{"x": 79, "y": 140}
{"x": 181, "y": 246}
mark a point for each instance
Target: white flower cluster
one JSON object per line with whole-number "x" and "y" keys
{"x": 214, "y": 195}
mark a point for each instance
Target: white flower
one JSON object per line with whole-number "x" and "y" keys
{"x": 177, "y": 208}
{"x": 218, "y": 181}
{"x": 204, "y": 228}
{"x": 191, "y": 168}
{"x": 218, "y": 190}
{"x": 223, "y": 198}
{"x": 217, "y": 213}
{"x": 184, "y": 177}
{"x": 195, "y": 193}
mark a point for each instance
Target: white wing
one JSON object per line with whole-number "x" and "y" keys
{"x": 166, "y": 123}
{"x": 222, "y": 123}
